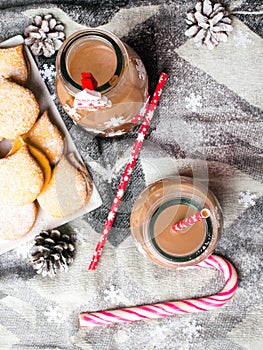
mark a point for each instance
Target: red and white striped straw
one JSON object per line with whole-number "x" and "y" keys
{"x": 170, "y": 308}
{"x": 128, "y": 171}
{"x": 191, "y": 220}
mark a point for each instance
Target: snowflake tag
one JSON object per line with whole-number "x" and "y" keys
{"x": 91, "y": 100}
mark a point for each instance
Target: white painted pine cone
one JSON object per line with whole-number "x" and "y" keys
{"x": 208, "y": 24}
{"x": 44, "y": 36}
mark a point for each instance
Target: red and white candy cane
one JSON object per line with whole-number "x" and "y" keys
{"x": 190, "y": 221}
{"x": 170, "y": 308}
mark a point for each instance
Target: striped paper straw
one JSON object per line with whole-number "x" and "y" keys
{"x": 191, "y": 220}
{"x": 170, "y": 308}
{"x": 128, "y": 171}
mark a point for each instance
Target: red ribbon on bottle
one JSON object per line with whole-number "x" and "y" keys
{"x": 88, "y": 81}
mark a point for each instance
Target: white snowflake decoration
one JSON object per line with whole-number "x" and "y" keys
{"x": 149, "y": 115}
{"x": 54, "y": 314}
{"x": 95, "y": 131}
{"x": 116, "y": 133}
{"x": 111, "y": 215}
{"x": 129, "y": 171}
{"x": 79, "y": 235}
{"x": 140, "y": 69}
{"x": 115, "y": 121}
{"x": 53, "y": 96}
{"x": 140, "y": 136}
{"x": 108, "y": 173}
{"x": 112, "y": 294}
{"x": 120, "y": 193}
{"x": 143, "y": 108}
{"x": 159, "y": 334}
{"x": 247, "y": 199}
{"x": 48, "y": 72}
{"x": 242, "y": 39}
{"x": 71, "y": 112}
{"x": 121, "y": 336}
{"x": 193, "y": 102}
{"x": 192, "y": 329}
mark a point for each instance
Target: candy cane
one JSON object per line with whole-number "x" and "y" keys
{"x": 165, "y": 309}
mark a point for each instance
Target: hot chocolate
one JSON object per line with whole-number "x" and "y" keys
{"x": 92, "y": 56}
{"x": 119, "y": 72}
{"x": 165, "y": 203}
{"x": 181, "y": 243}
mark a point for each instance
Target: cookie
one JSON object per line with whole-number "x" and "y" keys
{"x": 13, "y": 64}
{"x": 46, "y": 137}
{"x": 16, "y": 222}
{"x": 19, "y": 109}
{"x": 67, "y": 192}
{"x": 21, "y": 178}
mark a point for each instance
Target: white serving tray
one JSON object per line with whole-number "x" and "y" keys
{"x": 44, "y": 221}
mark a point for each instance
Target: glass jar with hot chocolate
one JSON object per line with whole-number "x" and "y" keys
{"x": 166, "y": 203}
{"x": 120, "y": 76}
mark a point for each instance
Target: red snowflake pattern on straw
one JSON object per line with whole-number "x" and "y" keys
{"x": 128, "y": 170}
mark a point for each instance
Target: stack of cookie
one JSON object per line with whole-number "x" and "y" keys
{"x": 34, "y": 169}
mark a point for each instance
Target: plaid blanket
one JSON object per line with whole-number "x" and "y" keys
{"x": 209, "y": 125}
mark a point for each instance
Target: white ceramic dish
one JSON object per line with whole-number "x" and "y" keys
{"x": 37, "y": 85}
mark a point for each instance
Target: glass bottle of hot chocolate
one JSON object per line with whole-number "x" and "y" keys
{"x": 165, "y": 203}
{"x": 120, "y": 75}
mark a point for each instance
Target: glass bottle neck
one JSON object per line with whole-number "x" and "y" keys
{"x": 96, "y": 52}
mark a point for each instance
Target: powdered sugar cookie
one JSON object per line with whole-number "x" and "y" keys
{"x": 46, "y": 137}
{"x": 16, "y": 221}
{"x": 19, "y": 109}
{"x": 13, "y": 64}
{"x": 21, "y": 178}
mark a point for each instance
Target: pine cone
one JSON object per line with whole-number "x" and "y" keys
{"x": 53, "y": 252}
{"x": 209, "y": 24}
{"x": 44, "y": 36}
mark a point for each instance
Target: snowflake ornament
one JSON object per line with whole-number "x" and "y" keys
{"x": 247, "y": 199}
{"x": 48, "y": 72}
